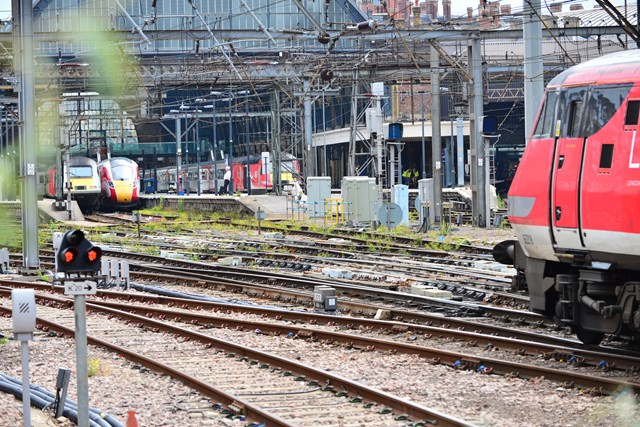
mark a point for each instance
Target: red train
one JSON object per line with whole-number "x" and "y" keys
{"x": 120, "y": 183}
{"x": 260, "y": 173}
{"x": 574, "y": 201}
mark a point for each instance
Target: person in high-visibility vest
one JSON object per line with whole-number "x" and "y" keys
{"x": 415, "y": 175}
{"x": 406, "y": 176}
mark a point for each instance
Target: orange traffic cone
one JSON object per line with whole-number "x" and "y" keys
{"x": 131, "y": 419}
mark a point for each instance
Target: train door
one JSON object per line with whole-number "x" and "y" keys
{"x": 567, "y": 169}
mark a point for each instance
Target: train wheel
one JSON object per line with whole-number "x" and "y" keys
{"x": 588, "y": 337}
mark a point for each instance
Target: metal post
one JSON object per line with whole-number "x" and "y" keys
{"x": 324, "y": 137}
{"x": 186, "y": 154}
{"x": 230, "y": 143}
{"x": 308, "y": 131}
{"x": 23, "y": 10}
{"x": 198, "y": 150}
{"x": 533, "y": 66}
{"x": 26, "y": 390}
{"x": 424, "y": 147}
{"x": 215, "y": 148}
{"x": 82, "y": 371}
{"x": 247, "y": 185}
{"x": 460, "y": 151}
{"x": 436, "y": 140}
{"x": 477, "y": 142}
{"x": 178, "y": 152}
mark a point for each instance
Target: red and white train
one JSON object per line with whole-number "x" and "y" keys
{"x": 260, "y": 175}
{"x": 111, "y": 184}
{"x": 120, "y": 183}
{"x": 575, "y": 199}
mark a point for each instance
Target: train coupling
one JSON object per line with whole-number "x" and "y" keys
{"x": 504, "y": 252}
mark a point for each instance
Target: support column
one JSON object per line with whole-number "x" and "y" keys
{"x": 476, "y": 111}
{"x": 308, "y": 131}
{"x": 436, "y": 140}
{"x": 275, "y": 146}
{"x": 533, "y": 66}
{"x": 23, "y": 12}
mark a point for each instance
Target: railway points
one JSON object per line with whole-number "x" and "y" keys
{"x": 281, "y": 193}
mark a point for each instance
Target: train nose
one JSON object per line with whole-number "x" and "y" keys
{"x": 124, "y": 191}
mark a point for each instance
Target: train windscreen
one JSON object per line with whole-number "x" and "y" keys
{"x": 122, "y": 172}
{"x": 81, "y": 171}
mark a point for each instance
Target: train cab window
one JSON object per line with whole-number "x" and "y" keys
{"x": 575, "y": 115}
{"x": 81, "y": 171}
{"x": 603, "y": 103}
{"x": 633, "y": 109}
{"x": 544, "y": 126}
{"x": 606, "y": 156}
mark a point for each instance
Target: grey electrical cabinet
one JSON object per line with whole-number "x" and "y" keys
{"x": 360, "y": 197}
{"x": 318, "y": 189}
{"x": 426, "y": 210}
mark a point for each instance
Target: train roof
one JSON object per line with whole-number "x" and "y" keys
{"x": 80, "y": 160}
{"x": 118, "y": 160}
{"x": 618, "y": 67}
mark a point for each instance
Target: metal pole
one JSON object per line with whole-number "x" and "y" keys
{"x": 246, "y": 140}
{"x": 308, "y": 131}
{"x": 82, "y": 371}
{"x": 186, "y": 153}
{"x": 178, "y": 152}
{"x": 230, "y": 143}
{"x": 424, "y": 147}
{"x": 28, "y": 154}
{"x": 215, "y": 148}
{"x": 324, "y": 137}
{"x": 26, "y": 390}
{"x": 460, "y": 151}
{"x": 198, "y": 150}
{"x": 533, "y": 66}
{"x": 477, "y": 142}
{"x": 436, "y": 140}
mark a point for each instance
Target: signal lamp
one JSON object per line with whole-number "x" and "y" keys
{"x": 77, "y": 255}
{"x": 94, "y": 254}
{"x": 68, "y": 255}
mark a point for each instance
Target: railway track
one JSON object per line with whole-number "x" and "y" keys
{"x": 241, "y": 379}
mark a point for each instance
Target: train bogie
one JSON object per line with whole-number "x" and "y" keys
{"x": 574, "y": 197}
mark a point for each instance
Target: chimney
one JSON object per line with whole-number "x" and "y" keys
{"x": 446, "y": 9}
{"x": 432, "y": 9}
{"x": 575, "y": 7}
{"x": 469, "y": 14}
{"x": 556, "y": 8}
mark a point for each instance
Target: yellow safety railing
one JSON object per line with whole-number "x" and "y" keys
{"x": 334, "y": 210}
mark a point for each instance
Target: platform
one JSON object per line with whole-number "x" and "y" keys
{"x": 274, "y": 207}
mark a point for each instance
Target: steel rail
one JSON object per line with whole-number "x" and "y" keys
{"x": 336, "y": 382}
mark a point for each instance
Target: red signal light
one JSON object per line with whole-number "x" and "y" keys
{"x": 69, "y": 255}
{"x": 94, "y": 254}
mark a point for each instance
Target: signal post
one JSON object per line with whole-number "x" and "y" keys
{"x": 79, "y": 260}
